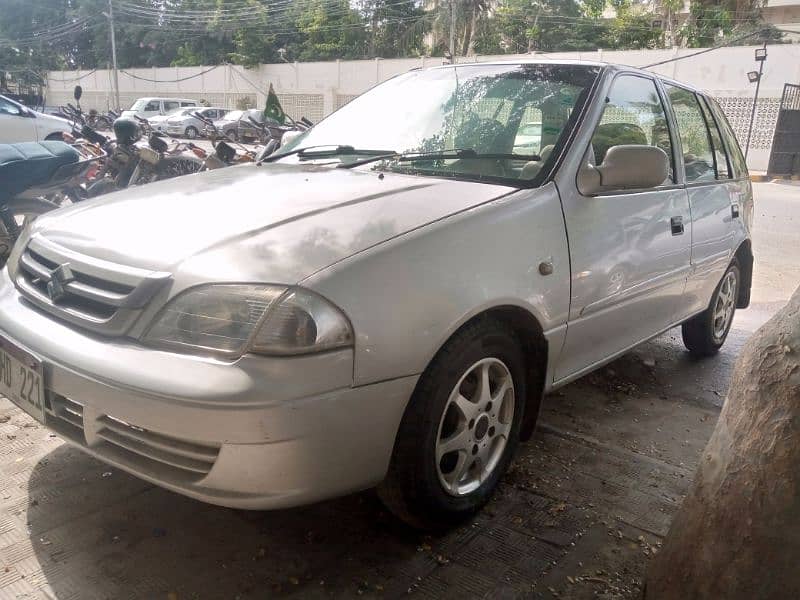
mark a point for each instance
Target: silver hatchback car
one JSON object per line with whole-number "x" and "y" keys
{"x": 385, "y": 301}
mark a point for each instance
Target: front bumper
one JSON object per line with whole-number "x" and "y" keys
{"x": 258, "y": 433}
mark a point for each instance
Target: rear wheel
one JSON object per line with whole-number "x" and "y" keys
{"x": 705, "y": 333}
{"x": 232, "y": 135}
{"x": 460, "y": 430}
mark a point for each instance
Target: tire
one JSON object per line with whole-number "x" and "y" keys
{"x": 21, "y": 210}
{"x": 191, "y": 132}
{"x": 425, "y": 492}
{"x": 232, "y": 135}
{"x": 705, "y": 333}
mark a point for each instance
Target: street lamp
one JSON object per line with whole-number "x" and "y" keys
{"x": 755, "y": 77}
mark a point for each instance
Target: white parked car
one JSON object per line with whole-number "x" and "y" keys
{"x": 385, "y": 301}
{"x": 159, "y": 122}
{"x": 186, "y": 124}
{"x": 151, "y": 107}
{"x": 19, "y": 123}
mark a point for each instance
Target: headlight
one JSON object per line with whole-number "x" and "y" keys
{"x": 230, "y": 320}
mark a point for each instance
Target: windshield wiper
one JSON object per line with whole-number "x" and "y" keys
{"x": 328, "y": 150}
{"x": 441, "y": 154}
{"x": 463, "y": 153}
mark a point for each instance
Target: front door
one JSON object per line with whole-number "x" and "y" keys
{"x": 629, "y": 250}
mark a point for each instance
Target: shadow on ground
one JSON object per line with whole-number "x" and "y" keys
{"x": 582, "y": 509}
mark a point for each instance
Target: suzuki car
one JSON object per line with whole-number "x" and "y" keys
{"x": 384, "y": 301}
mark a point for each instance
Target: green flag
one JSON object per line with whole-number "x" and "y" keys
{"x": 273, "y": 110}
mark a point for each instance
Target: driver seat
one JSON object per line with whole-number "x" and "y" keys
{"x": 29, "y": 164}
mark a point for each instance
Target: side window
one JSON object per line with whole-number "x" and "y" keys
{"x": 720, "y": 156}
{"x": 188, "y": 104}
{"x": 698, "y": 155}
{"x": 170, "y": 105}
{"x": 152, "y": 106}
{"x": 633, "y": 114}
{"x": 738, "y": 163}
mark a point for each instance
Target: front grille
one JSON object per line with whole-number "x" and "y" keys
{"x": 101, "y": 296}
{"x": 65, "y": 416}
{"x": 193, "y": 460}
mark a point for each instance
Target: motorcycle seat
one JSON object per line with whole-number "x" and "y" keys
{"x": 29, "y": 164}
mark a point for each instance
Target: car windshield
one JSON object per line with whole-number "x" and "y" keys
{"x": 508, "y": 118}
{"x": 139, "y": 104}
{"x": 234, "y": 115}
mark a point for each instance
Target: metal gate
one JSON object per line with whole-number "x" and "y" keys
{"x": 784, "y": 159}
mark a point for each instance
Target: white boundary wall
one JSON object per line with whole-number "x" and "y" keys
{"x": 316, "y": 89}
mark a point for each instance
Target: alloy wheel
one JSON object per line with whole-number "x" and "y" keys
{"x": 724, "y": 305}
{"x": 475, "y": 427}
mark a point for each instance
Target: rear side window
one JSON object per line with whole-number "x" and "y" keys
{"x": 633, "y": 114}
{"x": 738, "y": 163}
{"x": 698, "y": 154}
{"x": 720, "y": 156}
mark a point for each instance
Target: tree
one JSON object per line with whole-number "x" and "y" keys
{"x": 737, "y": 535}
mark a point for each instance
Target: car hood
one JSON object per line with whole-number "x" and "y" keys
{"x": 274, "y": 222}
{"x": 54, "y": 121}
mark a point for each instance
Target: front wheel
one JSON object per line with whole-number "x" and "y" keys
{"x": 705, "y": 333}
{"x": 460, "y": 429}
{"x": 192, "y": 133}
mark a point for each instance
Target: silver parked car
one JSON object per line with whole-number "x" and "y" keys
{"x": 385, "y": 302}
{"x": 186, "y": 124}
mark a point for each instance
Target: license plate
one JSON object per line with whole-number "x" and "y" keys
{"x": 149, "y": 155}
{"x": 21, "y": 379}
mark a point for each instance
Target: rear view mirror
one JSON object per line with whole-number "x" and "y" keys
{"x": 625, "y": 167}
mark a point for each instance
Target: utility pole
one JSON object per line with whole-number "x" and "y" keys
{"x": 110, "y": 16}
{"x": 761, "y": 57}
{"x": 453, "y": 30}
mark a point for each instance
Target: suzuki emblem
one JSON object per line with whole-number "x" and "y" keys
{"x": 59, "y": 277}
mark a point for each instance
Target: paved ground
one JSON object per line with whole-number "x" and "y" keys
{"x": 584, "y": 506}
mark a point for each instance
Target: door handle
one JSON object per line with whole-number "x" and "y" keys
{"x": 676, "y": 224}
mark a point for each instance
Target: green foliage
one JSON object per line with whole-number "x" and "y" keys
{"x": 346, "y": 29}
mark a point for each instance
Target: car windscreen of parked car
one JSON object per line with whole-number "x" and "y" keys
{"x": 489, "y": 111}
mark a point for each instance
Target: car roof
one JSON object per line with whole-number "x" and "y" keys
{"x": 616, "y": 67}
{"x": 165, "y": 98}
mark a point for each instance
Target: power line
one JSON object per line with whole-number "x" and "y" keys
{"x": 201, "y": 73}
{"x": 717, "y": 47}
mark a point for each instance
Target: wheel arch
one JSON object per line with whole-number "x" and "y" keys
{"x": 744, "y": 256}
{"x": 534, "y": 349}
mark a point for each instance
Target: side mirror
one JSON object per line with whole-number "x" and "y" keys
{"x": 77, "y": 93}
{"x": 626, "y": 167}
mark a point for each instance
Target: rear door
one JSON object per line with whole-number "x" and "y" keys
{"x": 713, "y": 195}
{"x": 629, "y": 249}
{"x": 15, "y": 124}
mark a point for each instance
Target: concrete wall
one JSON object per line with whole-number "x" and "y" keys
{"x": 316, "y": 89}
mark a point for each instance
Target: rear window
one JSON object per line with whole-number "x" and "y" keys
{"x": 738, "y": 163}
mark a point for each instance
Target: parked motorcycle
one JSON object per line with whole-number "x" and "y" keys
{"x": 35, "y": 177}
{"x": 224, "y": 154}
{"x": 130, "y": 164}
